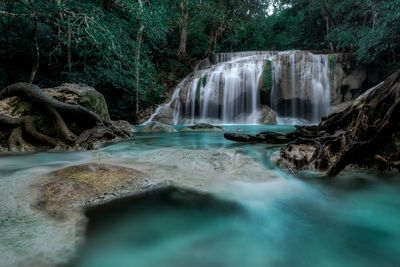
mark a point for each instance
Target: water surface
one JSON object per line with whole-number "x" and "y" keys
{"x": 236, "y": 209}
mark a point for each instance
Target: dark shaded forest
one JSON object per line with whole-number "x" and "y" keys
{"x": 135, "y": 52}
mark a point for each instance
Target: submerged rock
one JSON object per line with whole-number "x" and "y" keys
{"x": 202, "y": 127}
{"x": 73, "y": 188}
{"x": 158, "y": 127}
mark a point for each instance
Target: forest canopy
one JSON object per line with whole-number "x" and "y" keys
{"x": 134, "y": 51}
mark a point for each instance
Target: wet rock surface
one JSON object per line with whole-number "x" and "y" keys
{"x": 74, "y": 188}
{"x": 267, "y": 116}
{"x": 158, "y": 127}
{"x": 297, "y": 157}
{"x": 79, "y": 94}
{"x": 202, "y": 127}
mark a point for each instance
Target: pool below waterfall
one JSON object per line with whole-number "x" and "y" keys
{"x": 226, "y": 204}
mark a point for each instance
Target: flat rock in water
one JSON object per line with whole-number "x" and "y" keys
{"x": 264, "y": 137}
{"x": 202, "y": 127}
{"x": 77, "y": 187}
{"x": 158, "y": 127}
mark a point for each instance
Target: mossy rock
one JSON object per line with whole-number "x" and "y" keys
{"x": 14, "y": 107}
{"x": 266, "y": 78}
{"x": 68, "y": 93}
{"x": 77, "y": 94}
{"x": 76, "y": 187}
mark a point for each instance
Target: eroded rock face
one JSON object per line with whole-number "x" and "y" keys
{"x": 158, "y": 127}
{"x": 73, "y": 188}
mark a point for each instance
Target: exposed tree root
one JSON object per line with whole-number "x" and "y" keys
{"x": 16, "y": 141}
{"x": 63, "y": 131}
{"x": 92, "y": 128}
{"x": 8, "y": 122}
{"x": 265, "y": 137}
{"x": 370, "y": 148}
{"x": 31, "y": 130}
{"x": 35, "y": 95}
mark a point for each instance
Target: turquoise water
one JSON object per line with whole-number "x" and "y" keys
{"x": 352, "y": 221}
{"x": 236, "y": 209}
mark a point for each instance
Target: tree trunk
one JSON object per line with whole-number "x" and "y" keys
{"x": 184, "y": 24}
{"x": 68, "y": 47}
{"x": 137, "y": 59}
{"x": 327, "y": 32}
{"x": 212, "y": 44}
{"x": 35, "y": 41}
{"x": 327, "y": 12}
{"x": 139, "y": 38}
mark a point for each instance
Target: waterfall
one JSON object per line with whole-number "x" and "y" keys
{"x": 225, "y": 89}
{"x": 301, "y": 89}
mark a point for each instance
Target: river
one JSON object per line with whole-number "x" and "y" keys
{"x": 228, "y": 205}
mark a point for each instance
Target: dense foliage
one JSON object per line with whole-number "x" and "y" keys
{"x": 131, "y": 51}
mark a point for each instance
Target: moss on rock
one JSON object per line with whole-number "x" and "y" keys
{"x": 266, "y": 78}
{"x": 75, "y": 187}
{"x": 77, "y": 94}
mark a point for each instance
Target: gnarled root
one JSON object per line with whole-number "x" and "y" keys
{"x": 89, "y": 126}
{"x": 63, "y": 131}
{"x": 31, "y": 130}
{"x": 371, "y": 147}
{"x": 90, "y": 139}
{"x": 16, "y": 141}
{"x": 35, "y": 95}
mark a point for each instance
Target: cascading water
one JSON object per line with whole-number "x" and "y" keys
{"x": 301, "y": 87}
{"x": 227, "y": 88}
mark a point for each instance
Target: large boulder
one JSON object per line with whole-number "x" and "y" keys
{"x": 74, "y": 94}
{"x": 158, "y": 127}
{"x": 79, "y": 94}
{"x": 267, "y": 115}
{"x": 165, "y": 115}
{"x": 74, "y": 188}
{"x": 125, "y": 126}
